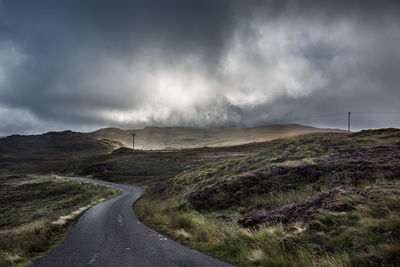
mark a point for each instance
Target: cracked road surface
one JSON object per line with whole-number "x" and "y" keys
{"x": 109, "y": 234}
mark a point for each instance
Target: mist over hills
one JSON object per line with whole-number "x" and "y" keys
{"x": 68, "y": 143}
{"x": 152, "y": 137}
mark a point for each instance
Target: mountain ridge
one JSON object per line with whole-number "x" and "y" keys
{"x": 154, "y": 137}
{"x": 106, "y": 140}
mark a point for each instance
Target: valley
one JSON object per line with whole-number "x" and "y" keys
{"x": 320, "y": 198}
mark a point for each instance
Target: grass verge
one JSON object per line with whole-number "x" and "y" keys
{"x": 368, "y": 235}
{"x": 37, "y": 212}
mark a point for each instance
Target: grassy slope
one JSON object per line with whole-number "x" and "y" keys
{"x": 32, "y": 210}
{"x": 55, "y": 144}
{"x": 319, "y": 199}
{"x": 151, "y": 167}
{"x": 89, "y": 153}
{"x": 23, "y": 154}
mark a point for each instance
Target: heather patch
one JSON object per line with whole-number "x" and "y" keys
{"x": 303, "y": 211}
{"x": 351, "y": 166}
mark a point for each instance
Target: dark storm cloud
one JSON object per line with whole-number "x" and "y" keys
{"x": 67, "y": 42}
{"x": 87, "y": 64}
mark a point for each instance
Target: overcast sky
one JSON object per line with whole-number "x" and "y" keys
{"x": 86, "y": 64}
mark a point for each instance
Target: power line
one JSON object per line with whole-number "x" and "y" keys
{"x": 376, "y": 112}
{"x": 332, "y": 115}
{"x": 298, "y": 118}
{"x": 343, "y": 114}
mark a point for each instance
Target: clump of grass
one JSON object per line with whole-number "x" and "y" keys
{"x": 181, "y": 233}
{"x": 62, "y": 220}
{"x": 37, "y": 212}
{"x": 274, "y": 200}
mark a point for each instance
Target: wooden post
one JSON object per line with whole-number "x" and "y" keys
{"x": 348, "y": 122}
{"x": 133, "y": 141}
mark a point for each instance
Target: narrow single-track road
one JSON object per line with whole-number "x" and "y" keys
{"x": 109, "y": 234}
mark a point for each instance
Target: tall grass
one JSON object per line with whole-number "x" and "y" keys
{"x": 32, "y": 225}
{"x": 275, "y": 200}
{"x": 363, "y": 237}
{"x": 226, "y": 241}
{"x": 230, "y": 242}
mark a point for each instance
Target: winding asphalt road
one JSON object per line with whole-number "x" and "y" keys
{"x": 109, "y": 234}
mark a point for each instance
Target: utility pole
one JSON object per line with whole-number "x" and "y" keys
{"x": 348, "y": 122}
{"x": 133, "y": 141}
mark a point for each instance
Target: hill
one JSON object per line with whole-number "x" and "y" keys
{"x": 56, "y": 143}
{"x": 32, "y": 153}
{"x": 157, "y": 138}
{"x": 321, "y": 199}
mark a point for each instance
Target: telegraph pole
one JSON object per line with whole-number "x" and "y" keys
{"x": 348, "y": 122}
{"x": 133, "y": 141}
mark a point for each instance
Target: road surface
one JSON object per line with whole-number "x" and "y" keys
{"x": 109, "y": 234}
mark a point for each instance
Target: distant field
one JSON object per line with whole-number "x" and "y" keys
{"x": 37, "y": 211}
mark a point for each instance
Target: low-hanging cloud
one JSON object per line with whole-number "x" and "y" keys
{"x": 89, "y": 64}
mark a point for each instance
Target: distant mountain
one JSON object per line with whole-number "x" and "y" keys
{"x": 152, "y": 137}
{"x": 75, "y": 144}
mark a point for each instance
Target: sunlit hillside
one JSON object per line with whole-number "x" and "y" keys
{"x": 185, "y": 137}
